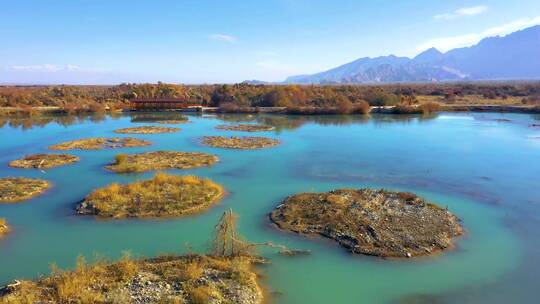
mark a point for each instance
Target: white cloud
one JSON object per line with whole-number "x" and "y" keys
{"x": 447, "y": 43}
{"x": 466, "y": 11}
{"x": 222, "y": 37}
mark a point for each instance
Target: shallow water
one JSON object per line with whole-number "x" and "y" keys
{"x": 484, "y": 170}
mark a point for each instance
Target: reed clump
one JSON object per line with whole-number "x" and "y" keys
{"x": 164, "y": 195}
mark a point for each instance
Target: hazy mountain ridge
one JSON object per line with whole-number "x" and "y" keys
{"x": 514, "y": 56}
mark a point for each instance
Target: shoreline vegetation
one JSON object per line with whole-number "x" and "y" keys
{"x": 246, "y": 128}
{"x": 147, "y": 130}
{"x": 100, "y": 143}
{"x": 195, "y": 279}
{"x": 523, "y": 97}
{"x": 164, "y": 195}
{"x": 371, "y": 222}
{"x": 17, "y": 189}
{"x": 160, "y": 160}
{"x": 44, "y": 161}
{"x": 244, "y": 142}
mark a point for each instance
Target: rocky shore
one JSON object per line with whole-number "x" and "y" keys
{"x": 372, "y": 222}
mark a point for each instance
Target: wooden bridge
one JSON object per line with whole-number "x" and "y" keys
{"x": 162, "y": 104}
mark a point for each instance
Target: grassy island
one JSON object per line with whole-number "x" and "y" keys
{"x": 372, "y": 222}
{"x": 244, "y": 142}
{"x": 245, "y": 128}
{"x": 161, "y": 160}
{"x": 164, "y": 195}
{"x": 15, "y": 189}
{"x": 147, "y": 130}
{"x": 100, "y": 143}
{"x": 44, "y": 161}
{"x": 4, "y": 228}
{"x": 194, "y": 279}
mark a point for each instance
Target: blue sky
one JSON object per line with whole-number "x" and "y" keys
{"x": 199, "y": 41}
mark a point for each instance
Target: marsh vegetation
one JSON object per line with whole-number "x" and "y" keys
{"x": 15, "y": 189}
{"x": 44, "y": 161}
{"x": 164, "y": 195}
{"x": 161, "y": 160}
{"x": 244, "y": 142}
{"x": 100, "y": 143}
{"x": 147, "y": 130}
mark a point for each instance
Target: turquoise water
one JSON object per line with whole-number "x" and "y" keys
{"x": 484, "y": 170}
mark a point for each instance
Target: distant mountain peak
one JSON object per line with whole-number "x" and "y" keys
{"x": 514, "y": 56}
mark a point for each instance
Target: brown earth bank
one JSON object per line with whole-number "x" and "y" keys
{"x": 44, "y": 161}
{"x": 147, "y": 130}
{"x": 100, "y": 143}
{"x": 15, "y": 189}
{"x": 372, "y": 222}
{"x": 245, "y": 127}
{"x": 243, "y": 142}
{"x": 161, "y": 160}
{"x": 164, "y": 195}
{"x": 189, "y": 279}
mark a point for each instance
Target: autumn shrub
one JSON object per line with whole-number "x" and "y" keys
{"x": 405, "y": 109}
{"x": 362, "y": 107}
{"x": 200, "y": 294}
{"x": 430, "y": 107}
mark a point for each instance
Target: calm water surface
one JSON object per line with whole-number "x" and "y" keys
{"x": 485, "y": 170}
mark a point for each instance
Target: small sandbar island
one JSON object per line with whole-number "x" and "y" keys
{"x": 243, "y": 142}
{"x": 372, "y": 222}
{"x": 44, "y": 161}
{"x": 164, "y": 195}
{"x": 161, "y": 160}
{"x": 167, "y": 279}
{"x": 16, "y": 189}
{"x": 246, "y": 128}
{"x": 100, "y": 143}
{"x": 4, "y": 228}
{"x": 147, "y": 130}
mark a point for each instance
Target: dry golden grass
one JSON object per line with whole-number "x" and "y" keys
{"x": 101, "y": 143}
{"x": 104, "y": 282}
{"x": 471, "y": 100}
{"x": 161, "y": 160}
{"x": 4, "y": 227}
{"x": 246, "y": 128}
{"x": 15, "y": 189}
{"x": 147, "y": 130}
{"x": 162, "y": 196}
{"x": 44, "y": 161}
{"x": 244, "y": 142}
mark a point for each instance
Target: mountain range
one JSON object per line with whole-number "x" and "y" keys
{"x": 512, "y": 57}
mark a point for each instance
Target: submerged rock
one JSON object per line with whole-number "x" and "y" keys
{"x": 372, "y": 222}
{"x": 15, "y": 189}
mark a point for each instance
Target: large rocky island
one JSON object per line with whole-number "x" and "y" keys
{"x": 372, "y": 222}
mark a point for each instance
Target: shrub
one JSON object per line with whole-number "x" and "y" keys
{"x": 200, "y": 295}
{"x": 404, "y": 109}
{"x": 362, "y": 107}
{"x": 344, "y": 105}
{"x": 430, "y": 107}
